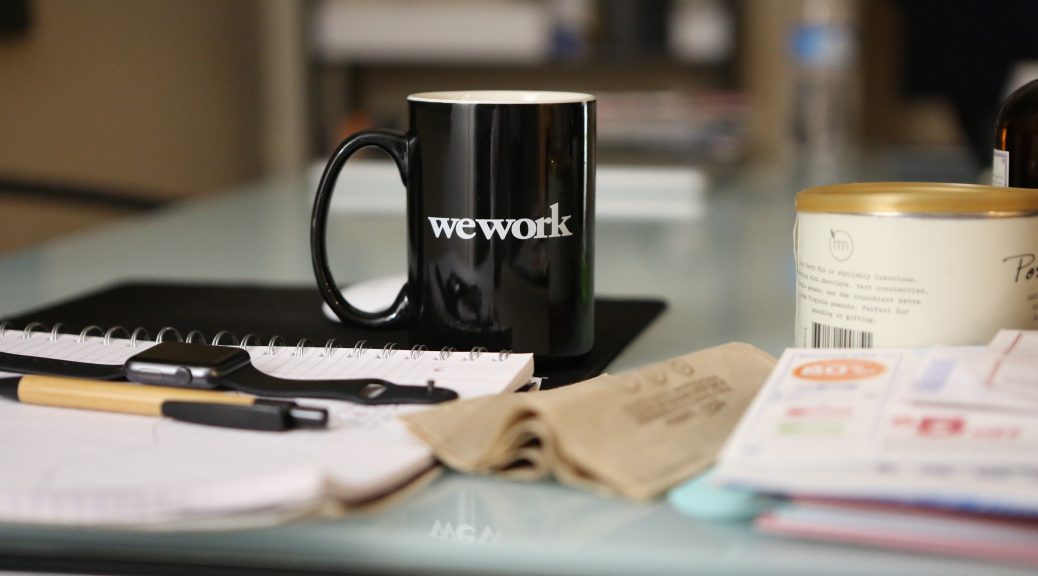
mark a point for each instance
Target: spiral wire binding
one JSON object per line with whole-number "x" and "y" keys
{"x": 273, "y": 346}
{"x": 329, "y": 348}
{"x": 113, "y": 330}
{"x": 416, "y": 351}
{"x": 55, "y": 332}
{"x": 221, "y": 334}
{"x": 160, "y": 337}
{"x": 301, "y": 347}
{"x": 85, "y": 332}
{"x": 358, "y": 349}
{"x": 387, "y": 351}
{"x": 274, "y": 342}
{"x": 27, "y": 331}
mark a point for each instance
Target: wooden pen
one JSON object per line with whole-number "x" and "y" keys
{"x": 186, "y": 404}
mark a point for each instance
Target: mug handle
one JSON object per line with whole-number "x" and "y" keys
{"x": 395, "y": 144}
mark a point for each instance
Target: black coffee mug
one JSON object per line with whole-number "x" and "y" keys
{"x": 500, "y": 221}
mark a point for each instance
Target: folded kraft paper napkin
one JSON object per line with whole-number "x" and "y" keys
{"x": 634, "y": 434}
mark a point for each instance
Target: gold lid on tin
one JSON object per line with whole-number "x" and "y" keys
{"x": 917, "y": 198}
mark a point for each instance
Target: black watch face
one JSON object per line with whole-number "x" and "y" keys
{"x": 179, "y": 364}
{"x": 194, "y": 355}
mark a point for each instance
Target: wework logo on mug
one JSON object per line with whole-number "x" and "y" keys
{"x": 522, "y": 228}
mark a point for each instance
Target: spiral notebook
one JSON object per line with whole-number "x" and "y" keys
{"x": 261, "y": 313}
{"x": 64, "y": 466}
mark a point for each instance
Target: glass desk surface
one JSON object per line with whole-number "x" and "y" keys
{"x": 727, "y": 275}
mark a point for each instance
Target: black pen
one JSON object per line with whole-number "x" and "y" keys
{"x": 197, "y": 406}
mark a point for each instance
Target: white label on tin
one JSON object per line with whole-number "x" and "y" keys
{"x": 890, "y": 281}
{"x": 1000, "y": 168}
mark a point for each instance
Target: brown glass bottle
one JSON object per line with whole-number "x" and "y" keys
{"x": 1015, "y": 161}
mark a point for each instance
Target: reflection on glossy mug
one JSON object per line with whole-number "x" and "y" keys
{"x": 500, "y": 221}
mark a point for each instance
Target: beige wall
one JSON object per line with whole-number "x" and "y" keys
{"x": 159, "y": 96}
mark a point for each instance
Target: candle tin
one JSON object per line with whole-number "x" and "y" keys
{"x": 901, "y": 264}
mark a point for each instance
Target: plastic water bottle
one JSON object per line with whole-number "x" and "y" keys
{"x": 825, "y": 55}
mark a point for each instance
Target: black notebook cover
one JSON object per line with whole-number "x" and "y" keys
{"x": 294, "y": 313}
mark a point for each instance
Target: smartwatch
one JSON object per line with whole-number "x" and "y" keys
{"x": 205, "y": 366}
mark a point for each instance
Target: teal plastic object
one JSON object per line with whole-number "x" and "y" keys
{"x": 701, "y": 498}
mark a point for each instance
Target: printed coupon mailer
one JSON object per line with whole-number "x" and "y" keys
{"x": 849, "y": 423}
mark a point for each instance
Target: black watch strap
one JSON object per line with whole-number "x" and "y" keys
{"x": 371, "y": 391}
{"x": 23, "y": 364}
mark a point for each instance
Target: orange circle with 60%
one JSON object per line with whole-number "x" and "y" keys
{"x": 834, "y": 370}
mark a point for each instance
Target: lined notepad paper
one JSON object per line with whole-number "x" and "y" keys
{"x": 80, "y": 467}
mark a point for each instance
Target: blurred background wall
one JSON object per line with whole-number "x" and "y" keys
{"x": 157, "y": 97}
{"x": 113, "y": 107}
{"x": 154, "y": 100}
